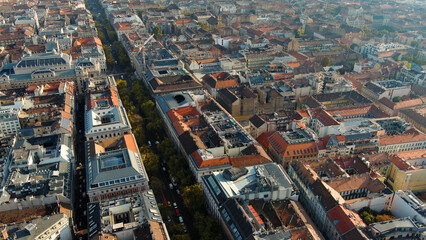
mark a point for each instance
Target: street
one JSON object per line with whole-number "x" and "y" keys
{"x": 171, "y": 195}
{"x": 168, "y": 196}
{"x": 80, "y": 198}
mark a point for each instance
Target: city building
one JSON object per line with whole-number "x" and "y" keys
{"x": 286, "y": 147}
{"x": 318, "y": 120}
{"x": 237, "y": 197}
{"x": 337, "y": 100}
{"x": 406, "y": 171}
{"x": 105, "y": 115}
{"x": 114, "y": 168}
{"x": 263, "y": 123}
{"x": 401, "y": 227}
{"x": 56, "y": 226}
{"x": 324, "y": 204}
{"x": 208, "y": 137}
{"x": 47, "y": 67}
{"x": 415, "y": 115}
{"x": 9, "y": 121}
{"x": 408, "y": 141}
{"x": 385, "y": 89}
{"x": 126, "y": 218}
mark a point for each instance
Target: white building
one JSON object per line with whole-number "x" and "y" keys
{"x": 9, "y": 121}
{"x": 269, "y": 182}
{"x": 105, "y": 115}
{"x": 406, "y": 204}
{"x": 385, "y": 89}
{"x": 115, "y": 174}
{"x": 222, "y": 41}
{"x": 49, "y": 227}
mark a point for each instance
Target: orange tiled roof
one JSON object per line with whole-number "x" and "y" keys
{"x": 183, "y": 21}
{"x": 414, "y": 154}
{"x": 290, "y": 150}
{"x": 92, "y": 40}
{"x": 130, "y": 143}
{"x": 361, "y": 181}
{"x": 114, "y": 98}
{"x": 403, "y": 138}
{"x": 210, "y": 162}
{"x": 227, "y": 83}
{"x": 294, "y": 64}
{"x": 207, "y": 60}
{"x": 120, "y": 26}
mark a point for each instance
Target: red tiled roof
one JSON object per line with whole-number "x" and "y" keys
{"x": 344, "y": 219}
{"x": 248, "y": 160}
{"x": 323, "y": 116}
{"x": 263, "y": 139}
{"x": 401, "y": 164}
{"x": 298, "y": 56}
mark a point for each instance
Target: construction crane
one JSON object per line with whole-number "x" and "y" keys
{"x": 143, "y": 50}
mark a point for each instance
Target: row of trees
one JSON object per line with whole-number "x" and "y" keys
{"x": 146, "y": 121}
{"x": 192, "y": 193}
{"x": 123, "y": 59}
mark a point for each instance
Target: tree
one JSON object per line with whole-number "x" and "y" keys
{"x": 157, "y": 31}
{"x": 157, "y": 185}
{"x": 397, "y": 99}
{"x": 300, "y": 33}
{"x": 414, "y": 44}
{"x": 326, "y": 61}
{"x": 193, "y": 198}
{"x": 203, "y": 26}
{"x": 121, "y": 84}
{"x": 181, "y": 236}
{"x": 207, "y": 227}
{"x": 384, "y": 217}
{"x": 151, "y": 163}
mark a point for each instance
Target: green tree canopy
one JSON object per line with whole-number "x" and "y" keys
{"x": 157, "y": 31}
{"x": 193, "y": 197}
{"x": 326, "y": 61}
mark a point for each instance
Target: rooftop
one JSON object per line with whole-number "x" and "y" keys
{"x": 37, "y": 226}
{"x": 403, "y": 138}
{"x": 253, "y": 179}
{"x": 344, "y": 219}
{"x": 382, "y": 228}
{"x": 114, "y": 167}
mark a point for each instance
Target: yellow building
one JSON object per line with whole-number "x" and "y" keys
{"x": 407, "y": 171}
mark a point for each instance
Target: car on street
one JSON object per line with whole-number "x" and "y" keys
{"x": 180, "y": 219}
{"x": 174, "y": 205}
